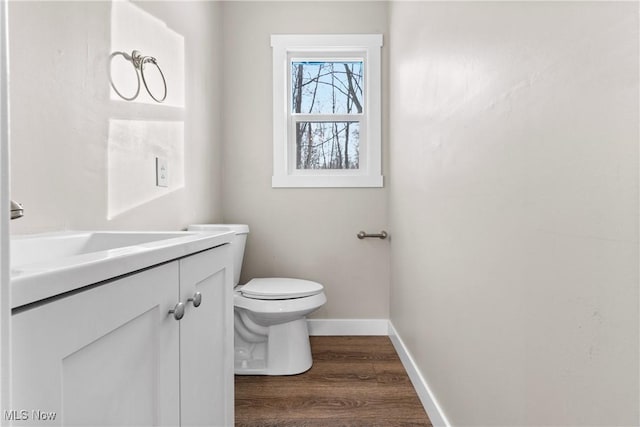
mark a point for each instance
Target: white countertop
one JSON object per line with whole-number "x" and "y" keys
{"x": 46, "y": 265}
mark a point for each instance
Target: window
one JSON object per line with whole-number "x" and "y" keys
{"x": 327, "y": 111}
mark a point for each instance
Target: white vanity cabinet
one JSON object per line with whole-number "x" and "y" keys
{"x": 112, "y": 354}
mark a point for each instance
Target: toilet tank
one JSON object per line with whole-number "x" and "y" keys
{"x": 237, "y": 245}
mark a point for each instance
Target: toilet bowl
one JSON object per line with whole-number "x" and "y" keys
{"x": 270, "y": 326}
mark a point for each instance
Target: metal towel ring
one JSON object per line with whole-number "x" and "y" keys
{"x": 138, "y": 62}
{"x": 135, "y": 70}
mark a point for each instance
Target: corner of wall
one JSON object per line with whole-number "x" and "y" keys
{"x": 426, "y": 395}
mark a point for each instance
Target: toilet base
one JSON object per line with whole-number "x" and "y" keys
{"x": 284, "y": 350}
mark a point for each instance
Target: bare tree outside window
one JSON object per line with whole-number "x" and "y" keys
{"x": 331, "y": 89}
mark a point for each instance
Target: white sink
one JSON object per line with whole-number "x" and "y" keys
{"x": 47, "y": 247}
{"x": 46, "y": 265}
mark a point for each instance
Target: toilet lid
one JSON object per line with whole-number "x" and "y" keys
{"x": 280, "y": 288}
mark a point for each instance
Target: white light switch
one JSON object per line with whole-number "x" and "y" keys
{"x": 162, "y": 172}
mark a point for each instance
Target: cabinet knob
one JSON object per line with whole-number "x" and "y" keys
{"x": 196, "y": 300}
{"x": 178, "y": 311}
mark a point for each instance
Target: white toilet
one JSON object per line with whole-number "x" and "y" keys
{"x": 271, "y": 336}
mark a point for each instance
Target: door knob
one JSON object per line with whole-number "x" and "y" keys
{"x": 196, "y": 300}
{"x": 178, "y": 311}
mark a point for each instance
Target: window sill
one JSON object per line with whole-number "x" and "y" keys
{"x": 319, "y": 181}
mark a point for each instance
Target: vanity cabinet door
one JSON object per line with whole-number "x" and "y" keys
{"x": 105, "y": 356}
{"x": 206, "y": 339}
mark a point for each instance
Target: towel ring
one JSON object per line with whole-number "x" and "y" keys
{"x": 128, "y": 58}
{"x": 138, "y": 62}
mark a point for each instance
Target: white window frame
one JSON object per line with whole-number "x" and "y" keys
{"x": 364, "y": 47}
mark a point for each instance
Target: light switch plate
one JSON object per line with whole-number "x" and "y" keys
{"x": 162, "y": 172}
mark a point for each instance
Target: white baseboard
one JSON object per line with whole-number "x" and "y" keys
{"x": 431, "y": 406}
{"x": 324, "y": 327}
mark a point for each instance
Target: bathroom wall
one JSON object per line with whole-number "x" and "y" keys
{"x": 514, "y": 208}
{"x": 83, "y": 158}
{"x": 307, "y": 233}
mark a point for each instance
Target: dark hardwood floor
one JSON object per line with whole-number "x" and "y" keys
{"x": 354, "y": 381}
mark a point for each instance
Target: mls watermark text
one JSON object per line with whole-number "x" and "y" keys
{"x": 29, "y": 415}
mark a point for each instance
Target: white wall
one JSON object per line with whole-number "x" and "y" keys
{"x": 84, "y": 159}
{"x": 306, "y": 233}
{"x": 514, "y": 206}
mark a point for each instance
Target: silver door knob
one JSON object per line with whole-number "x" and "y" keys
{"x": 178, "y": 311}
{"x": 196, "y": 300}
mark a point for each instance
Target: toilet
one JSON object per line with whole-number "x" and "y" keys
{"x": 270, "y": 325}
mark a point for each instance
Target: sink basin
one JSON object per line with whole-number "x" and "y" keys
{"x": 46, "y": 247}
{"x": 46, "y": 265}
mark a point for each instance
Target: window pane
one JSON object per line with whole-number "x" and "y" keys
{"x": 327, "y": 145}
{"x": 327, "y": 87}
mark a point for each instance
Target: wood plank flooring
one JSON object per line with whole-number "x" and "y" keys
{"x": 354, "y": 381}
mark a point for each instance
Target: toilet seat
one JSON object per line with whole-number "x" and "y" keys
{"x": 275, "y": 288}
